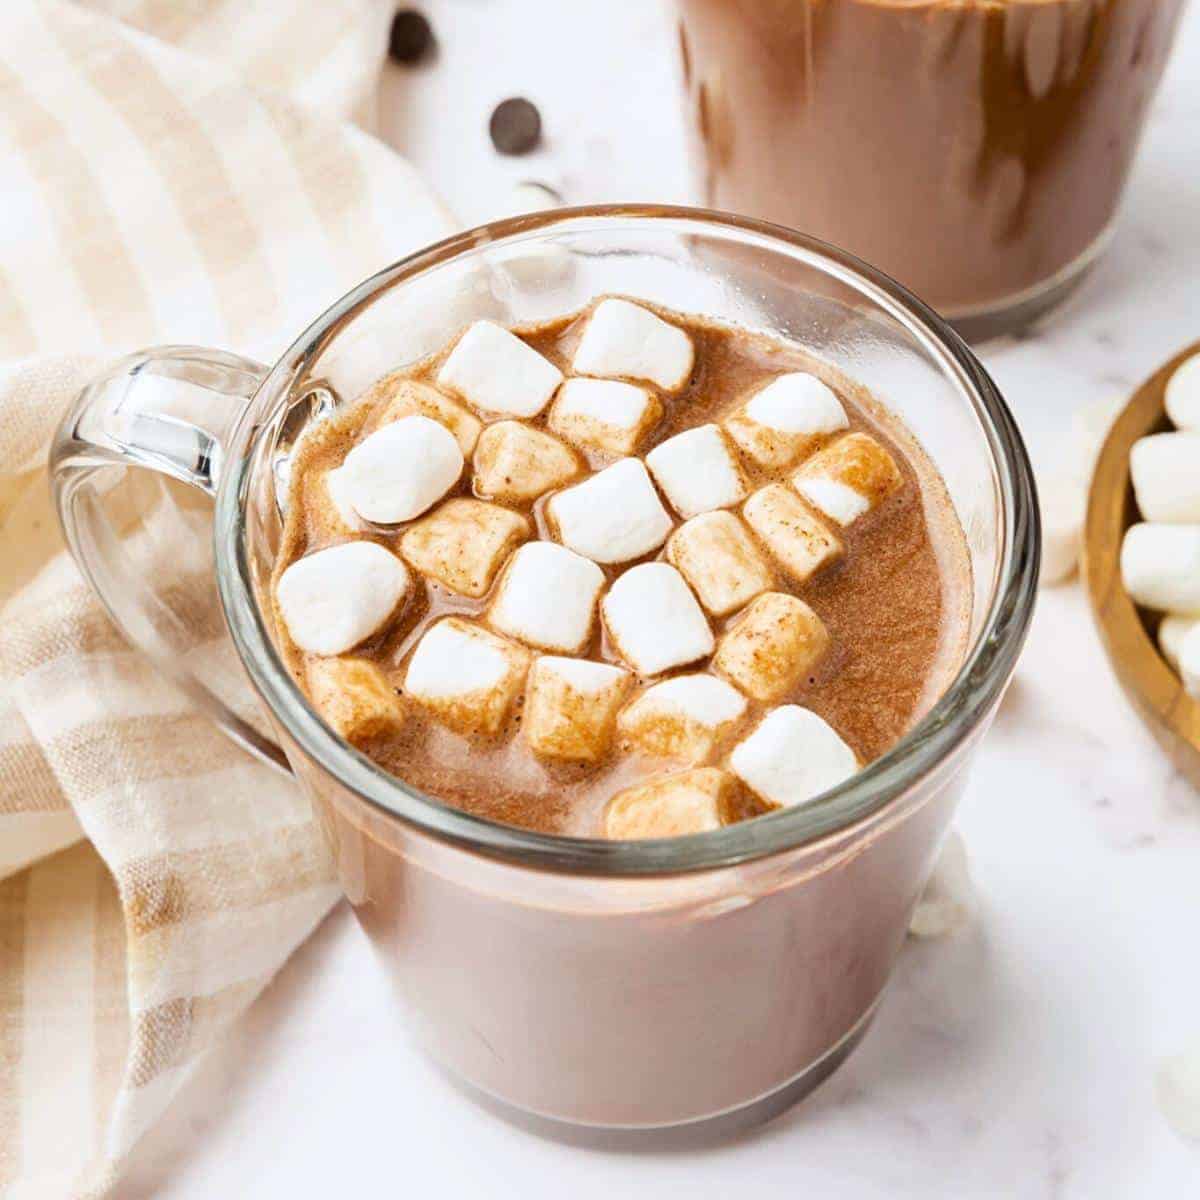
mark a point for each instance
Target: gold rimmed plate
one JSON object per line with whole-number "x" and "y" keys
{"x": 1128, "y": 632}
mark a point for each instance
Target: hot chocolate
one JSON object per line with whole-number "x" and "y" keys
{"x": 625, "y": 573}
{"x": 974, "y": 149}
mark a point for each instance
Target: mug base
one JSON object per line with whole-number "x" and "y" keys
{"x": 684, "y": 1135}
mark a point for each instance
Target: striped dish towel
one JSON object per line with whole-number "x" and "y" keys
{"x": 170, "y": 171}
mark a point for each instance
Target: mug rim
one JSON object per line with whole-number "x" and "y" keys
{"x": 962, "y": 706}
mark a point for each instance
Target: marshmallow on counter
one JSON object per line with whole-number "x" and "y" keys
{"x": 354, "y": 698}
{"x": 720, "y": 560}
{"x": 338, "y": 512}
{"x": 1165, "y": 469}
{"x": 654, "y": 621}
{"x": 681, "y": 718}
{"x": 1177, "y": 1091}
{"x": 792, "y": 757}
{"x": 334, "y": 599}
{"x": 1172, "y": 630}
{"x": 611, "y": 517}
{"x": 695, "y": 801}
{"x": 465, "y": 676}
{"x": 547, "y": 598}
{"x": 848, "y": 478}
{"x": 463, "y": 543}
{"x": 788, "y": 418}
{"x": 698, "y": 471}
{"x": 400, "y": 470}
{"x": 1189, "y": 663}
{"x": 767, "y": 650}
{"x": 1183, "y": 394}
{"x": 948, "y": 900}
{"x": 497, "y": 372}
{"x": 1160, "y": 566}
{"x": 625, "y": 341}
{"x": 570, "y": 707}
{"x": 801, "y": 544}
{"x": 516, "y": 464}
{"x": 399, "y": 397}
{"x": 604, "y": 414}
{"x": 1061, "y": 502}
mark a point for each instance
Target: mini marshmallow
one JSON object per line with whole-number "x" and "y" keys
{"x": 463, "y": 544}
{"x": 1165, "y": 469}
{"x": 698, "y": 471}
{"x": 401, "y": 397}
{"x": 948, "y": 900}
{"x": 801, "y": 544}
{"x": 682, "y": 717}
{"x": 792, "y": 757}
{"x": 1160, "y": 566}
{"x": 625, "y": 341}
{"x": 717, "y": 556}
{"x": 691, "y": 802}
{"x": 339, "y": 513}
{"x": 334, "y": 599}
{"x": 771, "y": 646}
{"x": 1183, "y": 394}
{"x": 547, "y": 598}
{"x": 788, "y": 418}
{"x": 604, "y": 414}
{"x": 1061, "y": 501}
{"x": 496, "y": 371}
{"x": 570, "y": 707}
{"x": 654, "y": 621}
{"x": 1189, "y": 663}
{"x": 1172, "y": 630}
{"x": 612, "y": 517}
{"x": 848, "y": 478}
{"x": 465, "y": 676}
{"x": 354, "y": 698}
{"x": 400, "y": 470}
{"x": 516, "y": 464}
{"x": 1177, "y": 1090}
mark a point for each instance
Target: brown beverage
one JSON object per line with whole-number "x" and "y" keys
{"x": 858, "y": 617}
{"x": 976, "y": 150}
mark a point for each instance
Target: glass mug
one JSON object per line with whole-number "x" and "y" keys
{"x": 977, "y": 151}
{"x": 628, "y": 985}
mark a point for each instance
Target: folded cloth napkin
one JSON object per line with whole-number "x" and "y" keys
{"x": 171, "y": 171}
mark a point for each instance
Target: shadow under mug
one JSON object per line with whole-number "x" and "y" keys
{"x": 624, "y": 985}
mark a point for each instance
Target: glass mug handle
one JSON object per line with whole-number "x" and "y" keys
{"x": 170, "y": 409}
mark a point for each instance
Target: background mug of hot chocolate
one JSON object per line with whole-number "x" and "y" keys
{"x": 726, "y": 973}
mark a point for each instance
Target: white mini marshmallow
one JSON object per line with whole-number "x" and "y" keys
{"x": 334, "y": 599}
{"x": 697, "y": 471}
{"x": 612, "y": 517}
{"x": 625, "y": 341}
{"x": 696, "y": 801}
{"x": 681, "y": 717}
{"x": 787, "y": 418}
{"x": 654, "y": 621}
{"x": 463, "y": 543}
{"x": 848, "y": 478}
{"x": 1061, "y": 501}
{"x": 948, "y": 900}
{"x": 547, "y": 597}
{"x": 342, "y": 512}
{"x": 399, "y": 471}
{"x": 516, "y": 463}
{"x": 719, "y": 559}
{"x": 604, "y": 414}
{"x": 1172, "y": 630}
{"x": 1165, "y": 469}
{"x": 1160, "y": 566}
{"x": 465, "y": 676}
{"x": 570, "y": 707}
{"x": 800, "y": 542}
{"x": 792, "y": 757}
{"x": 1183, "y": 394}
{"x": 1177, "y": 1090}
{"x": 494, "y": 370}
{"x": 399, "y": 396}
{"x": 1189, "y": 663}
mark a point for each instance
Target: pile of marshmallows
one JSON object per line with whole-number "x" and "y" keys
{"x": 540, "y": 615}
{"x": 1160, "y": 557}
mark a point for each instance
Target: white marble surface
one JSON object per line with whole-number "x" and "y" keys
{"x": 1015, "y": 1061}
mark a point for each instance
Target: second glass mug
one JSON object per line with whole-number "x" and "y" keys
{"x": 630, "y": 985}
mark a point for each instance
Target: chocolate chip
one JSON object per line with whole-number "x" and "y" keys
{"x": 516, "y": 126}
{"x": 411, "y": 37}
